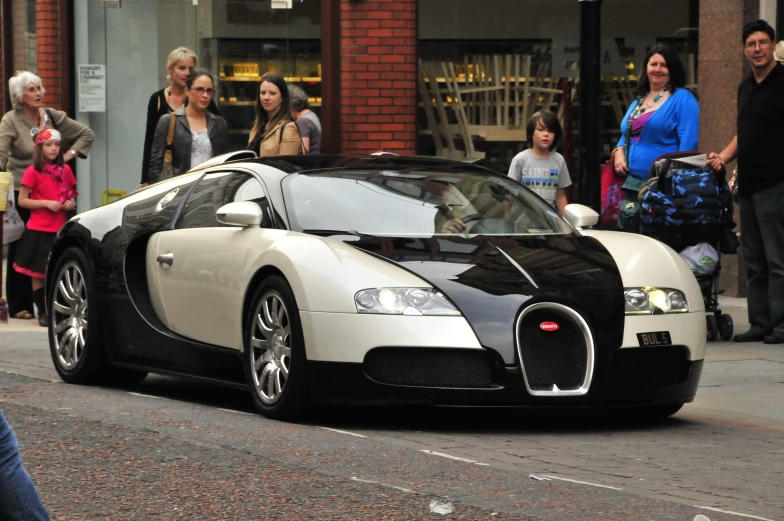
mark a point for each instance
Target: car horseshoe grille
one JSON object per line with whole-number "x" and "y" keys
{"x": 556, "y": 350}
{"x": 69, "y": 315}
{"x": 270, "y": 347}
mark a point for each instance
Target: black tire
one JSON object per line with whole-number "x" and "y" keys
{"x": 77, "y": 350}
{"x": 726, "y": 327}
{"x": 278, "y": 385}
{"x": 712, "y": 327}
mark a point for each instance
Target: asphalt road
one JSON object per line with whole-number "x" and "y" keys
{"x": 173, "y": 449}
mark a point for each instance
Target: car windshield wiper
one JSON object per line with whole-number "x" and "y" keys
{"x": 329, "y": 233}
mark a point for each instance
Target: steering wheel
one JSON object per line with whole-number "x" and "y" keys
{"x": 471, "y": 218}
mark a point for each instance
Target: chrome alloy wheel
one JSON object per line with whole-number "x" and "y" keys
{"x": 69, "y": 315}
{"x": 270, "y": 347}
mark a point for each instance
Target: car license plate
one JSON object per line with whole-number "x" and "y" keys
{"x": 657, "y": 338}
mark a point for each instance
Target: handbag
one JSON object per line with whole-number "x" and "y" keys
{"x": 611, "y": 196}
{"x": 13, "y": 225}
{"x": 168, "y": 169}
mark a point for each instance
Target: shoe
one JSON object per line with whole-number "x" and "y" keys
{"x": 24, "y": 315}
{"x": 777, "y": 337}
{"x": 43, "y": 321}
{"x": 749, "y": 336}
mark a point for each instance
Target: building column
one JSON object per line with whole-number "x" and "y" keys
{"x": 378, "y": 76}
{"x": 722, "y": 66}
{"x": 48, "y": 51}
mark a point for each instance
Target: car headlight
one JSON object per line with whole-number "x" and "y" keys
{"x": 654, "y": 301}
{"x": 404, "y": 301}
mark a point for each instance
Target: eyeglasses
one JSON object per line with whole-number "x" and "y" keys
{"x": 202, "y": 91}
{"x": 753, "y": 45}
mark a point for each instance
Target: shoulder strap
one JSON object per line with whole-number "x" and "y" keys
{"x": 51, "y": 118}
{"x": 170, "y": 134}
{"x": 282, "y": 128}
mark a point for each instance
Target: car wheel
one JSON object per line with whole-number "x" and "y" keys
{"x": 712, "y": 327}
{"x": 726, "y": 327}
{"x": 274, "y": 355}
{"x": 76, "y": 349}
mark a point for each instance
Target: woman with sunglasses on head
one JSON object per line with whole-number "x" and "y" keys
{"x": 179, "y": 64}
{"x": 198, "y": 133}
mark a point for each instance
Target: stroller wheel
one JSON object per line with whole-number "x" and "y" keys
{"x": 712, "y": 327}
{"x": 725, "y": 327}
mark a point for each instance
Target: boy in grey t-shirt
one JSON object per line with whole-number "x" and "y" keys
{"x": 540, "y": 168}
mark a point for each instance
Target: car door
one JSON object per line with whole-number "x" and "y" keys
{"x": 200, "y": 263}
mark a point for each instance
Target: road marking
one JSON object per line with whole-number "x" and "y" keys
{"x": 580, "y": 482}
{"x": 344, "y": 432}
{"x": 733, "y": 513}
{"x": 456, "y": 458}
{"x": 148, "y": 396}
{"x": 385, "y": 485}
{"x": 238, "y": 412}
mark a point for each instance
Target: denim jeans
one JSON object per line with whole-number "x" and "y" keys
{"x": 19, "y": 500}
{"x": 762, "y": 239}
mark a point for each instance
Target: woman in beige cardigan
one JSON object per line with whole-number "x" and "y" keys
{"x": 16, "y": 154}
{"x": 274, "y": 133}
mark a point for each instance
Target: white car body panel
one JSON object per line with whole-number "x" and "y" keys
{"x": 642, "y": 262}
{"x": 201, "y": 292}
{"x": 344, "y": 337}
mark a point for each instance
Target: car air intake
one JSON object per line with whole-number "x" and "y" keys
{"x": 556, "y": 350}
{"x": 426, "y": 367}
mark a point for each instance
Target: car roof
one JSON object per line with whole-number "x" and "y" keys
{"x": 311, "y": 164}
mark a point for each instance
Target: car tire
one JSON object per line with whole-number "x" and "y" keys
{"x": 77, "y": 350}
{"x": 274, "y": 356}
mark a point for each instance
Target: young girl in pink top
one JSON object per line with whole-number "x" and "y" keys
{"x": 48, "y": 191}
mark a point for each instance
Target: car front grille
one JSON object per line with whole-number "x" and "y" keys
{"x": 427, "y": 367}
{"x": 554, "y": 362}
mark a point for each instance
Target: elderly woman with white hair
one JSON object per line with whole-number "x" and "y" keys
{"x": 179, "y": 64}
{"x": 16, "y": 154}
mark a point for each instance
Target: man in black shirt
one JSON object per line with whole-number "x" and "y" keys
{"x": 757, "y": 146}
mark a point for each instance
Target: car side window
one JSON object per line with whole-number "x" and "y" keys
{"x": 216, "y": 189}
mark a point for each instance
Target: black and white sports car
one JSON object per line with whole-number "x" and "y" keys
{"x": 372, "y": 280}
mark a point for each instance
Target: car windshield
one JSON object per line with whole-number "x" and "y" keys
{"x": 417, "y": 203}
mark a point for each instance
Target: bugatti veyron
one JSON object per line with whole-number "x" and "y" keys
{"x": 372, "y": 280}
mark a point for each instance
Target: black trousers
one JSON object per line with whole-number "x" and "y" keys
{"x": 19, "y": 289}
{"x": 762, "y": 237}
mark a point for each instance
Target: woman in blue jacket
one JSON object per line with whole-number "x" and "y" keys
{"x": 664, "y": 118}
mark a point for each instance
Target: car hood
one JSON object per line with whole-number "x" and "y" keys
{"x": 491, "y": 279}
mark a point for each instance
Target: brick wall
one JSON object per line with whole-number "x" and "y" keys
{"x": 378, "y": 76}
{"x": 47, "y": 33}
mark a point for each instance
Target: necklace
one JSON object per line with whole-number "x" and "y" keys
{"x": 639, "y": 110}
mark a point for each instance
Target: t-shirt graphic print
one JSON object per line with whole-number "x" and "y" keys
{"x": 543, "y": 176}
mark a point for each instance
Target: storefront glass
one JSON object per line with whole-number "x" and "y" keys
{"x": 237, "y": 40}
{"x": 494, "y": 63}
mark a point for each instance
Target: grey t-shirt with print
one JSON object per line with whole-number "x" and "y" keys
{"x": 542, "y": 176}
{"x": 310, "y": 127}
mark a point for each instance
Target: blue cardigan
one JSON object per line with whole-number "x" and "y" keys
{"x": 674, "y": 127}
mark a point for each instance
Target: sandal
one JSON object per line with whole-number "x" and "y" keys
{"x": 24, "y": 315}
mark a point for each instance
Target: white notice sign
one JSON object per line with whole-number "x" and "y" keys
{"x": 92, "y": 88}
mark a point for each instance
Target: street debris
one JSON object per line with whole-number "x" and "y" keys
{"x": 441, "y": 508}
{"x": 540, "y": 478}
{"x": 700, "y": 517}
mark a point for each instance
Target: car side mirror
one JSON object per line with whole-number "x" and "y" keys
{"x": 580, "y": 216}
{"x": 242, "y": 213}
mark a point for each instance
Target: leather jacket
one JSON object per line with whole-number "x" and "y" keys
{"x": 217, "y": 129}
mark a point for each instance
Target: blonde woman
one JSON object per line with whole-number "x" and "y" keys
{"x": 274, "y": 133}
{"x": 180, "y": 63}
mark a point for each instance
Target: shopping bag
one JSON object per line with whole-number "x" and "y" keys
{"x": 702, "y": 258}
{"x": 611, "y": 196}
{"x": 13, "y": 225}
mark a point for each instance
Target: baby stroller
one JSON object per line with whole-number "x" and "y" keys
{"x": 686, "y": 205}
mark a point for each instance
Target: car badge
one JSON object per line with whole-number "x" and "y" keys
{"x": 549, "y": 326}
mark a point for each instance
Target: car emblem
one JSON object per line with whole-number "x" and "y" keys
{"x": 549, "y": 326}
